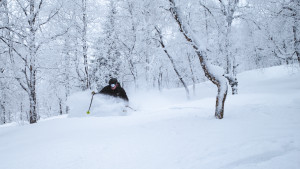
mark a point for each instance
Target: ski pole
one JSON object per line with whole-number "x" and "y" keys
{"x": 131, "y": 108}
{"x": 88, "y": 112}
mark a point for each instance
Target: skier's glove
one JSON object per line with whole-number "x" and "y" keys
{"x": 93, "y": 93}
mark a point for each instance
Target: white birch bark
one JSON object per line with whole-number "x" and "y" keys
{"x": 31, "y": 67}
{"x": 84, "y": 44}
{"x": 228, "y": 11}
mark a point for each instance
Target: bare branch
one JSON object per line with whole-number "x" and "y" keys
{"x": 49, "y": 18}
{"x": 23, "y": 8}
{"x": 172, "y": 62}
{"x": 11, "y": 30}
{"x": 206, "y": 8}
{"x": 22, "y": 85}
{"x": 52, "y": 38}
{"x": 38, "y": 11}
{"x": 253, "y": 21}
{"x": 223, "y": 9}
{"x": 13, "y": 49}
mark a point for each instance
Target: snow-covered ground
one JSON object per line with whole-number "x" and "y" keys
{"x": 260, "y": 130}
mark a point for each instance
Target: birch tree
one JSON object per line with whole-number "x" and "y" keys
{"x": 214, "y": 77}
{"x": 84, "y": 44}
{"x": 27, "y": 46}
{"x": 228, "y": 10}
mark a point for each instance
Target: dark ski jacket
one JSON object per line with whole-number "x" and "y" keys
{"x": 118, "y": 92}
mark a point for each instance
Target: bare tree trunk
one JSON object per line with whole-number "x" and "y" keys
{"x": 3, "y": 86}
{"x": 173, "y": 64}
{"x": 219, "y": 81}
{"x": 131, "y": 48}
{"x": 228, "y": 12}
{"x": 160, "y": 79}
{"x": 3, "y": 110}
{"x": 67, "y": 72}
{"x": 296, "y": 43}
{"x": 84, "y": 44}
{"x": 32, "y": 64}
{"x": 147, "y": 67}
{"x": 193, "y": 75}
{"x": 32, "y": 111}
{"x": 231, "y": 64}
{"x": 7, "y": 32}
{"x": 60, "y": 106}
{"x": 147, "y": 40}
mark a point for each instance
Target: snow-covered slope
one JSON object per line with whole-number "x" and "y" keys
{"x": 260, "y": 130}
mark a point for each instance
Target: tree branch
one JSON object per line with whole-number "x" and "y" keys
{"x": 23, "y": 8}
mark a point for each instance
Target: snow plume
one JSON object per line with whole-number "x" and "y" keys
{"x": 102, "y": 105}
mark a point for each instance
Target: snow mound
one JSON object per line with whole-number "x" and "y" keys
{"x": 102, "y": 105}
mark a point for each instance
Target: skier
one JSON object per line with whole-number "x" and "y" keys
{"x": 114, "y": 89}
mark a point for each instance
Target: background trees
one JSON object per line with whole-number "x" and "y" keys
{"x": 51, "y": 49}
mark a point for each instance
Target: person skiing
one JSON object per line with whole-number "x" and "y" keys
{"x": 114, "y": 89}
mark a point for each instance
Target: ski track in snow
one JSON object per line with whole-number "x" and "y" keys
{"x": 260, "y": 130}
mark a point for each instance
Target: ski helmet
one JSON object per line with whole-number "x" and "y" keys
{"x": 113, "y": 81}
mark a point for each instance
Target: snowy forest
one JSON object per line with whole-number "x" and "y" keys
{"x": 50, "y": 49}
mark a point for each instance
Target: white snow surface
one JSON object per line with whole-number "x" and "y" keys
{"x": 260, "y": 130}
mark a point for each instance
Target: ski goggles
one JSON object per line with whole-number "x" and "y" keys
{"x": 113, "y": 85}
